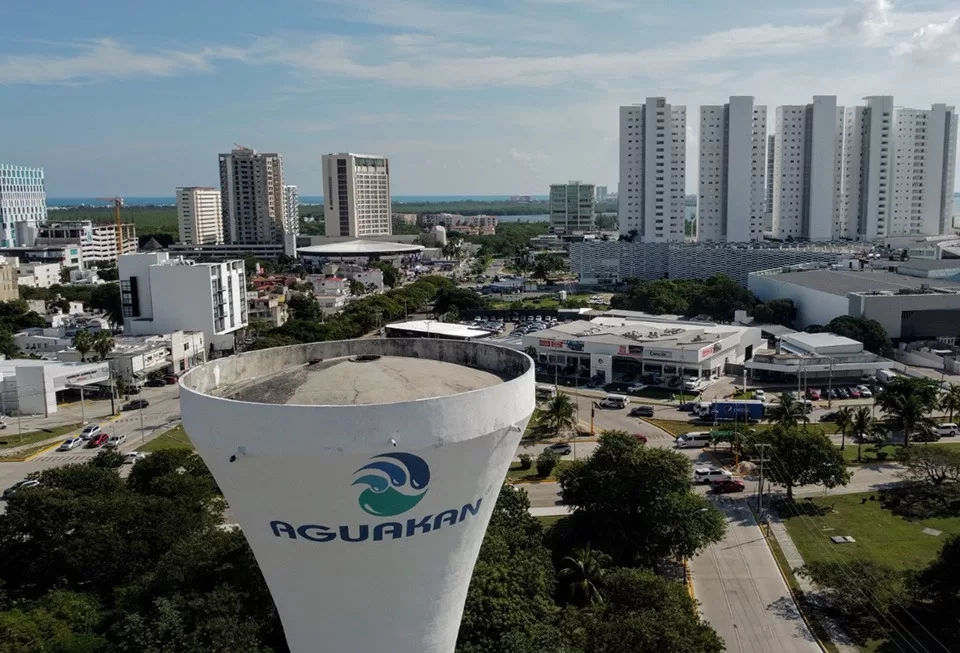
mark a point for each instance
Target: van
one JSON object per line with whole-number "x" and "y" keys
{"x": 692, "y": 440}
{"x": 614, "y": 401}
{"x": 948, "y": 429}
{"x": 546, "y": 391}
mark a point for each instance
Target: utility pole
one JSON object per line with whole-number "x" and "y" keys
{"x": 763, "y": 459}
{"x": 830, "y": 386}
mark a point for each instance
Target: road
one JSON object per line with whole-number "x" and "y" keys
{"x": 162, "y": 414}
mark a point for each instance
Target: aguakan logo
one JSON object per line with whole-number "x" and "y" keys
{"x": 396, "y": 482}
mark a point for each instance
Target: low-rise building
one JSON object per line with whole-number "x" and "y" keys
{"x": 815, "y": 358}
{"x": 34, "y": 387}
{"x": 269, "y": 307}
{"x": 69, "y": 256}
{"x": 332, "y": 304}
{"x": 434, "y": 329}
{"x": 97, "y": 242}
{"x": 9, "y": 277}
{"x": 39, "y": 275}
{"x": 228, "y": 251}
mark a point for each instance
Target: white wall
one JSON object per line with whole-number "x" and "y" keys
{"x": 813, "y": 306}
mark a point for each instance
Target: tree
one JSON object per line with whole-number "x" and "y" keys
{"x": 789, "y": 412}
{"x": 357, "y": 288}
{"x": 938, "y": 586}
{"x": 931, "y": 465}
{"x": 547, "y": 461}
{"x": 106, "y": 298}
{"x": 83, "y": 343}
{"x": 777, "y": 311}
{"x": 871, "y": 589}
{"x": 558, "y": 416}
{"x": 800, "y": 458}
{"x": 646, "y": 612}
{"x": 304, "y": 307}
{"x": 950, "y": 401}
{"x": 862, "y": 426}
{"x": 103, "y": 343}
{"x": 461, "y": 299}
{"x": 908, "y": 403}
{"x": 844, "y": 421}
{"x": 582, "y": 575}
{"x": 635, "y": 503}
{"x": 391, "y": 275}
{"x": 870, "y": 332}
{"x": 720, "y": 298}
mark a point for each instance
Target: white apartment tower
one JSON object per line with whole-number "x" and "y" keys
{"x": 251, "y": 185}
{"x": 291, "y": 210}
{"x": 23, "y": 205}
{"x": 571, "y": 208}
{"x": 807, "y": 170}
{"x": 771, "y": 167}
{"x": 733, "y": 142}
{"x": 653, "y": 141}
{"x": 866, "y": 185}
{"x": 356, "y": 192}
{"x": 200, "y": 216}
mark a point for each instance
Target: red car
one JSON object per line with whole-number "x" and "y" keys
{"x": 813, "y": 393}
{"x": 171, "y": 379}
{"x": 98, "y": 441}
{"x": 728, "y": 485}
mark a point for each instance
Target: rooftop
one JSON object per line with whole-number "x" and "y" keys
{"x": 439, "y": 328}
{"x": 359, "y": 248}
{"x": 931, "y": 264}
{"x": 362, "y": 380}
{"x": 624, "y": 331}
{"x": 817, "y": 340}
{"x": 843, "y": 282}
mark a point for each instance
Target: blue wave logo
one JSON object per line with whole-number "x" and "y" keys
{"x": 396, "y": 482}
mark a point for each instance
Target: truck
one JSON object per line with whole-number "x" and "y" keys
{"x": 886, "y": 376}
{"x": 736, "y": 410}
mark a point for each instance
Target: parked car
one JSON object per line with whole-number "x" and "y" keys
{"x": 926, "y": 436}
{"x": 636, "y": 387}
{"x": 832, "y": 393}
{"x": 688, "y": 407}
{"x": 828, "y": 417}
{"x": 641, "y": 411}
{"x": 171, "y": 379}
{"x": 759, "y": 395}
{"x": 853, "y": 392}
{"x": 948, "y": 429}
{"x": 725, "y": 485}
{"x": 90, "y": 431}
{"x": 561, "y": 448}
{"x": 133, "y": 456}
{"x": 156, "y": 383}
{"x": 115, "y": 441}
{"x": 842, "y": 393}
{"x": 21, "y": 485}
{"x": 813, "y": 394}
{"x": 864, "y": 391}
{"x": 136, "y": 404}
{"x": 70, "y": 443}
{"x": 710, "y": 474}
{"x": 132, "y": 389}
{"x": 98, "y": 440}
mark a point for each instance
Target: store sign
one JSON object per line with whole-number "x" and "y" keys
{"x": 575, "y": 345}
{"x": 554, "y": 344}
{"x": 572, "y": 345}
{"x": 710, "y": 350}
{"x": 87, "y": 377}
{"x": 631, "y": 350}
{"x": 658, "y": 353}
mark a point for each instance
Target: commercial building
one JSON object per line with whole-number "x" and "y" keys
{"x": 908, "y": 307}
{"x": 733, "y": 142}
{"x": 228, "y": 251}
{"x": 356, "y": 193}
{"x": 33, "y": 387}
{"x": 291, "y": 210}
{"x": 807, "y": 170}
{"x": 360, "y": 470}
{"x": 97, "y": 242}
{"x": 571, "y": 207}
{"x": 599, "y": 262}
{"x": 251, "y": 188}
{"x": 200, "y": 216}
{"x": 653, "y": 146}
{"x": 23, "y": 204}
{"x": 160, "y": 295}
{"x": 647, "y": 345}
{"x": 434, "y": 329}
{"x": 815, "y": 358}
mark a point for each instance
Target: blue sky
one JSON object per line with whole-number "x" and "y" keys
{"x": 495, "y": 97}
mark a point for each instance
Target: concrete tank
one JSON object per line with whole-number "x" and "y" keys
{"x": 440, "y": 235}
{"x": 363, "y": 474}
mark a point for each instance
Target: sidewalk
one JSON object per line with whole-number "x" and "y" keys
{"x": 795, "y": 561}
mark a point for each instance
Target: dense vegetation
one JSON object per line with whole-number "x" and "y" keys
{"x": 510, "y": 238}
{"x": 717, "y": 297}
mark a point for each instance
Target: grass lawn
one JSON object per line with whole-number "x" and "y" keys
{"x": 175, "y": 438}
{"x": 880, "y": 535}
{"x": 549, "y": 521}
{"x": 868, "y": 453}
{"x": 14, "y": 440}
{"x": 517, "y": 474}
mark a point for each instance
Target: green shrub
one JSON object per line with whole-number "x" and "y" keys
{"x": 547, "y": 462}
{"x": 526, "y": 461}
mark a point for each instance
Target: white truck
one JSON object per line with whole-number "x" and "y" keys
{"x": 886, "y": 376}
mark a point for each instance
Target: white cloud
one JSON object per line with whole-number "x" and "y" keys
{"x": 869, "y": 18}
{"x": 938, "y": 42}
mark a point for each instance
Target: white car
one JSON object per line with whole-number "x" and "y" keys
{"x": 636, "y": 387}
{"x": 710, "y": 474}
{"x": 71, "y": 443}
{"x": 864, "y": 391}
{"x": 759, "y": 395}
{"x": 91, "y": 431}
{"x": 115, "y": 441}
{"x": 133, "y": 456}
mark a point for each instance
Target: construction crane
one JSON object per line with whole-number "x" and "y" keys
{"x": 117, "y": 203}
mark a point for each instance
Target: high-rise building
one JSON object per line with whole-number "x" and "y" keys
{"x": 251, "y": 186}
{"x": 360, "y": 494}
{"x": 291, "y": 210}
{"x": 571, "y": 208}
{"x": 733, "y": 141}
{"x": 200, "y": 216}
{"x": 924, "y": 170}
{"x": 160, "y": 295}
{"x": 771, "y": 166}
{"x": 23, "y": 205}
{"x": 356, "y": 193}
{"x": 807, "y": 170}
{"x": 601, "y": 193}
{"x": 653, "y": 141}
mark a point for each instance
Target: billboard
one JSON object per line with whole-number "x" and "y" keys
{"x": 366, "y": 520}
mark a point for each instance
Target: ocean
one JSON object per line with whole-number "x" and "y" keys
{"x": 67, "y": 202}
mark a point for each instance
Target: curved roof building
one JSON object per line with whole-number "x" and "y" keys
{"x": 363, "y": 474}
{"x": 351, "y": 248}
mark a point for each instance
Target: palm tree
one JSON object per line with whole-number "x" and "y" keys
{"x": 950, "y": 401}
{"x": 909, "y": 402}
{"x": 83, "y": 343}
{"x": 531, "y": 351}
{"x": 789, "y": 412}
{"x": 103, "y": 344}
{"x": 863, "y": 423}
{"x": 558, "y": 415}
{"x": 844, "y": 422}
{"x": 582, "y": 572}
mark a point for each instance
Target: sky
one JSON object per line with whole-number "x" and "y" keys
{"x": 484, "y": 97}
